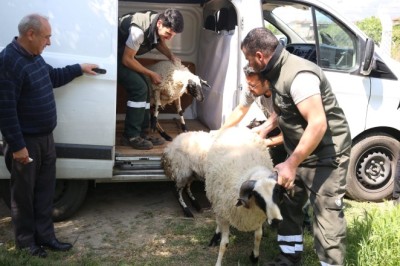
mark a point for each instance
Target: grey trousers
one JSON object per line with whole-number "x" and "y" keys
{"x": 324, "y": 183}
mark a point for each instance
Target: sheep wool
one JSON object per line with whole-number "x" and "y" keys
{"x": 174, "y": 83}
{"x": 186, "y": 155}
{"x": 235, "y": 156}
{"x": 183, "y": 161}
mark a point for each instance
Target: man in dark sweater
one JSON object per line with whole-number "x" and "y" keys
{"x": 27, "y": 119}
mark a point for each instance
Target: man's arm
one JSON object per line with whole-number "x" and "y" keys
{"x": 267, "y": 126}
{"x": 129, "y": 60}
{"x": 236, "y": 116}
{"x": 313, "y": 112}
{"x": 163, "y": 48}
{"x": 275, "y": 140}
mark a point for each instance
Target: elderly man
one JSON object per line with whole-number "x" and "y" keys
{"x": 27, "y": 119}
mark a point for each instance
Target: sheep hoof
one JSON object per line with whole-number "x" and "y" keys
{"x": 166, "y": 136}
{"x": 184, "y": 128}
{"x": 253, "y": 259}
{"x": 215, "y": 241}
{"x": 187, "y": 212}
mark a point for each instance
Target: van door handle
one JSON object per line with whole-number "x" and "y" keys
{"x": 99, "y": 70}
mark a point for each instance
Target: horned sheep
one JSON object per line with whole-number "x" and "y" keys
{"x": 239, "y": 187}
{"x": 176, "y": 80}
{"x": 236, "y": 165}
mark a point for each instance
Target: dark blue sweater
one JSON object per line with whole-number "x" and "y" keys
{"x": 27, "y": 105}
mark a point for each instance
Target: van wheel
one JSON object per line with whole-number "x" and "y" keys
{"x": 372, "y": 168}
{"x": 69, "y": 196}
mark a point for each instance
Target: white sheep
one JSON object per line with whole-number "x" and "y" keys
{"x": 183, "y": 161}
{"x": 239, "y": 187}
{"x": 176, "y": 80}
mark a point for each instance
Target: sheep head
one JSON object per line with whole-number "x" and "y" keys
{"x": 196, "y": 89}
{"x": 266, "y": 193}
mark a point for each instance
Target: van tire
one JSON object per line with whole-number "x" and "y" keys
{"x": 69, "y": 196}
{"x": 372, "y": 168}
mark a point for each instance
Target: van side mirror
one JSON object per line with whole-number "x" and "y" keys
{"x": 368, "y": 57}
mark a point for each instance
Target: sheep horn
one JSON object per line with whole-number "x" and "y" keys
{"x": 245, "y": 193}
{"x": 203, "y": 82}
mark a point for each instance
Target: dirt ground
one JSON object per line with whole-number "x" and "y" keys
{"x": 116, "y": 218}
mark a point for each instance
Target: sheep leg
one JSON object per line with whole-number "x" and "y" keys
{"x": 216, "y": 239}
{"x": 163, "y": 133}
{"x": 155, "y": 125}
{"x": 154, "y": 116}
{"x": 192, "y": 198}
{"x": 185, "y": 208}
{"x": 255, "y": 254}
{"x": 180, "y": 113}
{"x": 224, "y": 225}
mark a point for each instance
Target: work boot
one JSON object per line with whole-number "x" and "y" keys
{"x": 137, "y": 143}
{"x": 154, "y": 140}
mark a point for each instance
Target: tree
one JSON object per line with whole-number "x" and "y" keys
{"x": 396, "y": 42}
{"x": 372, "y": 27}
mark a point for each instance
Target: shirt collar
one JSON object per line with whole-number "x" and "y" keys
{"x": 153, "y": 33}
{"x": 21, "y": 49}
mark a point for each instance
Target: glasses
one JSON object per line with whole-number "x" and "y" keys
{"x": 253, "y": 87}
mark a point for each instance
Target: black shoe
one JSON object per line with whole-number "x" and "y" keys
{"x": 35, "y": 250}
{"x": 56, "y": 245}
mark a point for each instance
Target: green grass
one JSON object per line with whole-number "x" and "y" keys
{"x": 373, "y": 234}
{"x": 373, "y": 240}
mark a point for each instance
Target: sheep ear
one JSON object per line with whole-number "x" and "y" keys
{"x": 243, "y": 202}
{"x": 246, "y": 191}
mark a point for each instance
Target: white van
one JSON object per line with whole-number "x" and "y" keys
{"x": 91, "y": 109}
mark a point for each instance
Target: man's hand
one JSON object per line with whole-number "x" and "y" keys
{"x": 260, "y": 130}
{"x": 176, "y": 60}
{"x": 286, "y": 174}
{"x": 22, "y": 156}
{"x": 88, "y": 68}
{"x": 155, "y": 78}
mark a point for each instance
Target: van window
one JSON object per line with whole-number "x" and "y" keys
{"x": 312, "y": 34}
